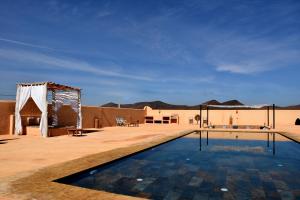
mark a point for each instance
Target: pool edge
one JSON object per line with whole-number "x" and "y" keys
{"x": 41, "y": 185}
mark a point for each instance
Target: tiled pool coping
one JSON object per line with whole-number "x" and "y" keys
{"x": 41, "y": 185}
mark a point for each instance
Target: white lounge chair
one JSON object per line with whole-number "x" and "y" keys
{"x": 121, "y": 121}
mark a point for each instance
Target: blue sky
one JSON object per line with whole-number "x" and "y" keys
{"x": 182, "y": 52}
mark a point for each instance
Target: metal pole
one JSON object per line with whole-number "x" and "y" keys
{"x": 273, "y": 116}
{"x": 268, "y": 115}
{"x": 200, "y": 116}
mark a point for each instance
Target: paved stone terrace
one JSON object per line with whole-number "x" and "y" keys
{"x": 29, "y": 164}
{"x": 22, "y": 156}
{"x": 292, "y": 136}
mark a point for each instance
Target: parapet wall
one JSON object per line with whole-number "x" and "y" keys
{"x": 239, "y": 117}
{"x": 7, "y": 108}
{"x": 103, "y": 117}
{"x": 92, "y": 116}
{"x": 97, "y": 117}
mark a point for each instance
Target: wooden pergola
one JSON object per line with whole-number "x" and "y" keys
{"x": 39, "y": 93}
{"x": 51, "y": 86}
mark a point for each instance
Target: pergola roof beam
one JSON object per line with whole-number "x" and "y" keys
{"x": 51, "y": 86}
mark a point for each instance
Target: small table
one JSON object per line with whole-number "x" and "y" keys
{"x": 75, "y": 131}
{"x": 134, "y": 124}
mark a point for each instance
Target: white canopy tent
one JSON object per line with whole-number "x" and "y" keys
{"x": 61, "y": 94}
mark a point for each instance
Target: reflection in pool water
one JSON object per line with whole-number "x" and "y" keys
{"x": 222, "y": 165}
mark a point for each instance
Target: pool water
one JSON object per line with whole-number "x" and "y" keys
{"x": 220, "y": 166}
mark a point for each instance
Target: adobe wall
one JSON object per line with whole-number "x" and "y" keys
{"x": 283, "y": 118}
{"x": 6, "y": 109}
{"x": 107, "y": 116}
{"x": 67, "y": 117}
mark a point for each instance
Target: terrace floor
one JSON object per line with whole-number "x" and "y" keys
{"x": 22, "y": 153}
{"x": 22, "y": 156}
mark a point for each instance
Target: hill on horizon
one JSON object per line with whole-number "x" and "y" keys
{"x": 166, "y": 106}
{"x": 232, "y": 103}
{"x": 212, "y": 102}
{"x": 152, "y": 104}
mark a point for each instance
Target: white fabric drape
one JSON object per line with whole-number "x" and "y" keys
{"x": 23, "y": 94}
{"x": 79, "y": 118}
{"x": 54, "y": 110}
{"x": 71, "y": 98}
{"x": 66, "y": 97}
{"x": 39, "y": 96}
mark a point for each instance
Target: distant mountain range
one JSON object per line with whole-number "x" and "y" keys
{"x": 166, "y": 106}
{"x": 152, "y": 104}
{"x": 225, "y": 103}
{"x": 294, "y": 107}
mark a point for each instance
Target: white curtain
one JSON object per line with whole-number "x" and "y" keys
{"x": 39, "y": 96}
{"x": 71, "y": 98}
{"x": 23, "y": 94}
{"x": 79, "y": 118}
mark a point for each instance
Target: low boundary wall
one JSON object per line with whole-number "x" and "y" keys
{"x": 92, "y": 116}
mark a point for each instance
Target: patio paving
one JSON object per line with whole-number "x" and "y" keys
{"x": 24, "y": 156}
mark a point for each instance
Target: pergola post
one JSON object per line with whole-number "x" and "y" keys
{"x": 273, "y": 116}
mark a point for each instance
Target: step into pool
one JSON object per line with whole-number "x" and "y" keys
{"x": 203, "y": 165}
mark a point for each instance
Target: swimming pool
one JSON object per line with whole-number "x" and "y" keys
{"x": 212, "y": 165}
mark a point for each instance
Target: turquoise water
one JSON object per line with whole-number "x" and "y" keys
{"x": 197, "y": 167}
